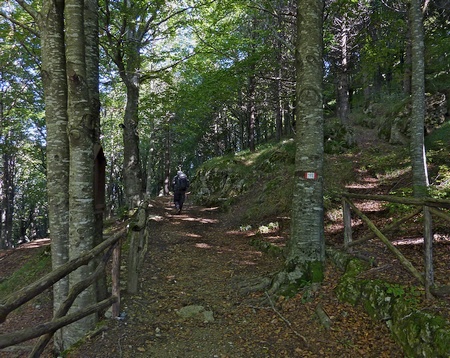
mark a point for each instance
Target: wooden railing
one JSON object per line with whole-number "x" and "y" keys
{"x": 108, "y": 248}
{"x": 425, "y": 205}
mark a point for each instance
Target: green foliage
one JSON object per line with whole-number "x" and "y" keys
{"x": 440, "y": 187}
{"x": 398, "y": 208}
{"x": 336, "y": 136}
{"x": 409, "y": 295}
{"x": 439, "y": 139}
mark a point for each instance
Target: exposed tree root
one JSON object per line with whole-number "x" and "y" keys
{"x": 253, "y": 285}
{"x": 288, "y": 323}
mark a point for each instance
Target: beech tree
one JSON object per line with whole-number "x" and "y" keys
{"x": 70, "y": 137}
{"x": 306, "y": 249}
{"x": 417, "y": 145}
{"x": 50, "y": 22}
{"x": 131, "y": 30}
{"x": 81, "y": 148}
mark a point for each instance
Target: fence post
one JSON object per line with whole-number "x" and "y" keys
{"x": 347, "y": 224}
{"x": 115, "y": 278}
{"x": 428, "y": 248}
{"x": 133, "y": 266}
{"x": 137, "y": 249}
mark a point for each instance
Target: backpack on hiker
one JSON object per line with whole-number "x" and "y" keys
{"x": 182, "y": 182}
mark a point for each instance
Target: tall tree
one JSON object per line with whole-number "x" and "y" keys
{"x": 131, "y": 29}
{"x": 418, "y": 155}
{"x": 306, "y": 249}
{"x": 81, "y": 173}
{"x": 51, "y": 25}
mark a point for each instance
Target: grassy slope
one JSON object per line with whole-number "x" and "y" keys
{"x": 267, "y": 174}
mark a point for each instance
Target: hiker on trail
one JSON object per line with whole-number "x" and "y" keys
{"x": 180, "y": 184}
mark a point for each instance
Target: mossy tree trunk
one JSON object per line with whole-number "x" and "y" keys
{"x": 306, "y": 249}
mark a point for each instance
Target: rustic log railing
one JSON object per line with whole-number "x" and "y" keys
{"x": 138, "y": 248}
{"x": 425, "y": 204}
{"x": 111, "y": 247}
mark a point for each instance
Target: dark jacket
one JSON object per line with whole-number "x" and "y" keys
{"x": 177, "y": 184}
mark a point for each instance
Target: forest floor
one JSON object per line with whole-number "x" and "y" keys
{"x": 199, "y": 259}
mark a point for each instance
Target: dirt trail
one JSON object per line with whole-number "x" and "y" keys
{"x": 199, "y": 258}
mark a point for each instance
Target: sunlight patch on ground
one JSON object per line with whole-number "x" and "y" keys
{"x": 194, "y": 235}
{"x": 201, "y": 220}
{"x": 370, "y": 205}
{"x": 366, "y": 185}
{"x": 202, "y": 245}
{"x": 234, "y": 232}
{"x": 155, "y": 218}
{"x": 215, "y": 208}
{"x": 437, "y": 238}
{"x": 34, "y": 244}
{"x": 334, "y": 214}
{"x": 408, "y": 241}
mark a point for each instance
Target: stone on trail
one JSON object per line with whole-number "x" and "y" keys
{"x": 196, "y": 312}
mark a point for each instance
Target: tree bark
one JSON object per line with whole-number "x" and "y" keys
{"x": 342, "y": 73}
{"x": 81, "y": 175}
{"x": 306, "y": 247}
{"x": 51, "y": 23}
{"x": 92, "y": 68}
{"x": 7, "y": 197}
{"x": 132, "y": 172}
{"x": 418, "y": 156}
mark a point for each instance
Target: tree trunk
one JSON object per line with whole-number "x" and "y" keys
{"x": 251, "y": 113}
{"x": 81, "y": 175}
{"x": 92, "y": 68}
{"x": 306, "y": 248}
{"x": 132, "y": 172}
{"x": 342, "y": 75}
{"x": 7, "y": 202}
{"x": 167, "y": 161}
{"x": 150, "y": 179}
{"x": 407, "y": 61}
{"x": 418, "y": 157}
{"x": 55, "y": 95}
{"x": 130, "y": 75}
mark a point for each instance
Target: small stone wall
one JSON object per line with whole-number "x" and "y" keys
{"x": 420, "y": 334}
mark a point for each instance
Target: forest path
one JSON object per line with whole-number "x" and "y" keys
{"x": 197, "y": 259}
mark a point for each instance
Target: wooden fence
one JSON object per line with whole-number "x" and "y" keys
{"x": 110, "y": 248}
{"x": 427, "y": 206}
